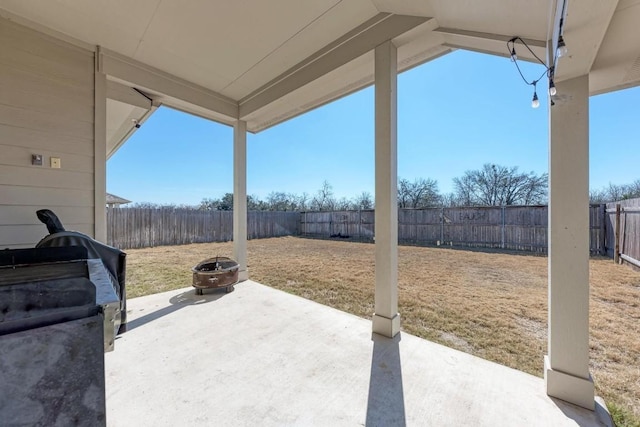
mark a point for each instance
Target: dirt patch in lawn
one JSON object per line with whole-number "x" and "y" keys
{"x": 493, "y": 305}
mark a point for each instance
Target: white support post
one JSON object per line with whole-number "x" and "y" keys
{"x": 240, "y": 198}
{"x": 100, "y": 155}
{"x": 386, "y": 320}
{"x": 566, "y": 367}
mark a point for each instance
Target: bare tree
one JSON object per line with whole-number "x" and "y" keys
{"x": 420, "y": 193}
{"x": 634, "y": 189}
{"x": 324, "y": 200}
{"x": 151, "y": 205}
{"x": 281, "y": 201}
{"x": 598, "y": 196}
{"x": 255, "y": 204}
{"x": 302, "y": 201}
{"x": 225, "y": 203}
{"x": 614, "y": 192}
{"x": 495, "y": 185}
{"x": 209, "y": 204}
{"x": 343, "y": 204}
{"x": 450, "y": 200}
{"x": 362, "y": 201}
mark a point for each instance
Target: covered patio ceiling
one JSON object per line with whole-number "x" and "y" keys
{"x": 265, "y": 62}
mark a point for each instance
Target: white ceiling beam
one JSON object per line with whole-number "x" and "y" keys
{"x": 152, "y": 79}
{"x": 198, "y": 112}
{"x": 355, "y": 43}
{"x": 127, "y": 95}
{"x": 489, "y": 36}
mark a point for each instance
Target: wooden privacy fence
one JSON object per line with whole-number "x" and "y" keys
{"x": 623, "y": 231}
{"x": 129, "y": 228}
{"x": 522, "y": 228}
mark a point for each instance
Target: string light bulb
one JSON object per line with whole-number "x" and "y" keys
{"x": 552, "y": 88}
{"x": 535, "y": 103}
{"x": 514, "y": 57}
{"x": 561, "y": 50}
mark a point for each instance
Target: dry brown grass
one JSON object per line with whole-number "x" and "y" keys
{"x": 493, "y": 305}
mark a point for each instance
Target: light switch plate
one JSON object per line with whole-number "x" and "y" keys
{"x": 55, "y": 162}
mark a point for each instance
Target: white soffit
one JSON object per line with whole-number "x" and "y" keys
{"x": 617, "y": 65}
{"x": 584, "y": 29}
{"x": 212, "y": 43}
{"x": 120, "y": 123}
{"x": 337, "y": 21}
{"x": 207, "y": 56}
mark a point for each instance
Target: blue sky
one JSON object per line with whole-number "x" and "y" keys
{"x": 454, "y": 114}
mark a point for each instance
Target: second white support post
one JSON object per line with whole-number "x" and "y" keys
{"x": 567, "y": 365}
{"x": 240, "y": 198}
{"x": 386, "y": 320}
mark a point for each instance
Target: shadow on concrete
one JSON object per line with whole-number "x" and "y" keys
{"x": 178, "y": 302}
{"x": 385, "y": 406}
{"x": 584, "y": 417}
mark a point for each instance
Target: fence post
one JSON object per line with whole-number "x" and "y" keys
{"x": 503, "y": 213}
{"x": 616, "y": 251}
{"x": 415, "y": 225}
{"x": 603, "y": 229}
{"x": 442, "y": 226}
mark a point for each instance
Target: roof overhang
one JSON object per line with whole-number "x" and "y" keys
{"x": 227, "y": 61}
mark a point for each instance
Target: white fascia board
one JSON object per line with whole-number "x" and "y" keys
{"x": 521, "y": 57}
{"x": 127, "y": 95}
{"x": 489, "y": 36}
{"x": 613, "y": 88}
{"x": 490, "y": 43}
{"x": 357, "y": 42}
{"x": 147, "y": 77}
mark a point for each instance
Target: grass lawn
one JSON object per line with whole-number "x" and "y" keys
{"x": 492, "y": 305}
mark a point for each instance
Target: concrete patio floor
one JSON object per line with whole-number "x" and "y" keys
{"x": 261, "y": 357}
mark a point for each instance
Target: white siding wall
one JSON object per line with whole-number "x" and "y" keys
{"x": 46, "y": 107}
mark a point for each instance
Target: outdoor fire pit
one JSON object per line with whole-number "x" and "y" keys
{"x": 218, "y": 272}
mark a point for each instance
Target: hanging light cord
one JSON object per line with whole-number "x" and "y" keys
{"x": 548, "y": 71}
{"x": 511, "y": 49}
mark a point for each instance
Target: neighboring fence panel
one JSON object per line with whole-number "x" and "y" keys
{"x": 629, "y": 239}
{"x": 264, "y": 224}
{"x": 129, "y": 228}
{"x": 521, "y": 228}
{"x": 354, "y": 225}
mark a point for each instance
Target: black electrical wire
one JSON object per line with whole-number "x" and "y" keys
{"x": 511, "y": 49}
